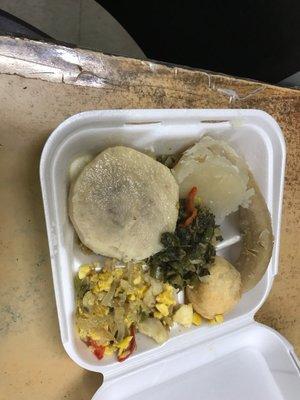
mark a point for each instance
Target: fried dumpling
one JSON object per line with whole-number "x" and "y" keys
{"x": 218, "y": 292}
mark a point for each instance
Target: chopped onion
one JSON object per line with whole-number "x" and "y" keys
{"x": 119, "y": 320}
{"x": 107, "y": 299}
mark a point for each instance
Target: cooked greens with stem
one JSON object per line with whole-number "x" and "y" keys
{"x": 190, "y": 250}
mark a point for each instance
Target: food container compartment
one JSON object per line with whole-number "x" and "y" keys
{"x": 252, "y": 133}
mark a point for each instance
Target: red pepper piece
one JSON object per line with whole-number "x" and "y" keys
{"x": 99, "y": 352}
{"x": 131, "y": 346}
{"x": 87, "y": 341}
{"x": 190, "y": 209}
{"x": 97, "y": 349}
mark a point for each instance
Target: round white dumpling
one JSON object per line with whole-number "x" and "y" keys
{"x": 122, "y": 202}
{"x": 218, "y": 292}
{"x": 220, "y": 176}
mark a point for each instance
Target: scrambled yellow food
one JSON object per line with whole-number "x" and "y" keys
{"x": 115, "y": 302}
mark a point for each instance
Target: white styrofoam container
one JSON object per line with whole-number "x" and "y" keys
{"x": 239, "y": 359}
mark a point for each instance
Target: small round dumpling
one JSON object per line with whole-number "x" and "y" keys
{"x": 122, "y": 202}
{"x": 219, "y": 174}
{"x": 218, "y": 292}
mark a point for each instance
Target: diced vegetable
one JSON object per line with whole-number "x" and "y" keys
{"x": 154, "y": 328}
{"x": 218, "y": 319}
{"x": 190, "y": 209}
{"x": 110, "y": 302}
{"x": 131, "y": 346}
{"x": 88, "y": 299}
{"x": 97, "y": 349}
{"x": 84, "y": 270}
{"x": 197, "y": 320}
{"x": 163, "y": 309}
{"x": 167, "y": 296}
{"x": 184, "y": 315}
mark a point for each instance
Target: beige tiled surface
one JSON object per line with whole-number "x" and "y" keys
{"x": 81, "y": 22}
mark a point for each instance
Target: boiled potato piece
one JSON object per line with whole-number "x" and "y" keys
{"x": 217, "y": 172}
{"x": 184, "y": 315}
{"x": 153, "y": 328}
{"x": 218, "y": 292}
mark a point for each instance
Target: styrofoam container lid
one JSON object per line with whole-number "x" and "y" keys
{"x": 238, "y": 359}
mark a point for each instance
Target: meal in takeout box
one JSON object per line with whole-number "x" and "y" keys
{"x": 157, "y": 223}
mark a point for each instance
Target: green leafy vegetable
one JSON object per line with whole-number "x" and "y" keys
{"x": 169, "y": 160}
{"x": 81, "y": 286}
{"x": 189, "y": 251}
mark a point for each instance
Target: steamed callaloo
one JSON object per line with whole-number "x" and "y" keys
{"x": 190, "y": 250}
{"x": 158, "y": 223}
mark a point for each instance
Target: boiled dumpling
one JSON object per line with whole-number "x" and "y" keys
{"x": 122, "y": 202}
